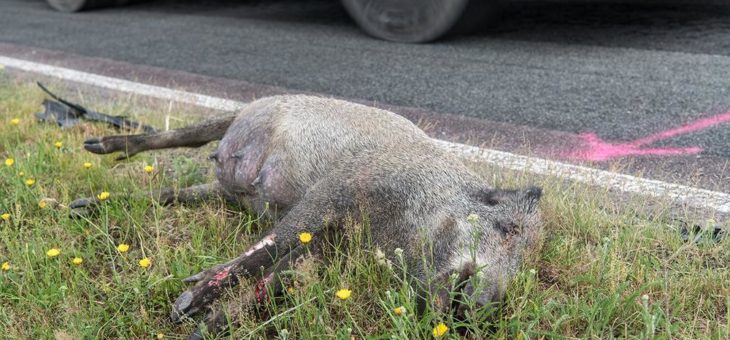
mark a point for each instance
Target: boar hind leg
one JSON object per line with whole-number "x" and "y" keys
{"x": 192, "y": 136}
{"x": 195, "y": 193}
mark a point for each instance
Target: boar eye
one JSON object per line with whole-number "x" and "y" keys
{"x": 491, "y": 197}
{"x": 491, "y": 201}
{"x": 507, "y": 227}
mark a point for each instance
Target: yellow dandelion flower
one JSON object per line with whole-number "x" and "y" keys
{"x": 58, "y": 145}
{"x": 145, "y": 262}
{"x": 21, "y": 174}
{"x": 87, "y": 165}
{"x": 9, "y": 162}
{"x": 103, "y": 196}
{"x": 149, "y": 168}
{"x": 399, "y": 310}
{"x": 160, "y": 335}
{"x": 77, "y": 261}
{"x": 29, "y": 182}
{"x": 53, "y": 252}
{"x": 343, "y": 294}
{"x": 15, "y": 121}
{"x": 440, "y": 330}
{"x": 291, "y": 290}
{"x": 6, "y": 266}
{"x": 5, "y": 217}
{"x": 123, "y": 248}
{"x": 42, "y": 204}
{"x": 305, "y": 237}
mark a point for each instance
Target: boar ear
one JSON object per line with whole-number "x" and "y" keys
{"x": 534, "y": 193}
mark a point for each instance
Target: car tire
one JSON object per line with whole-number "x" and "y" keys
{"x": 417, "y": 21}
{"x": 82, "y": 5}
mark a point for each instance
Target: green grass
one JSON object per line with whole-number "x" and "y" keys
{"x": 597, "y": 275}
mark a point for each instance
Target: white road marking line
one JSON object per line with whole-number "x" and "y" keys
{"x": 123, "y": 85}
{"x": 692, "y": 197}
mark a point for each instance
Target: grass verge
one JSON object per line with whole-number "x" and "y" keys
{"x": 599, "y": 274}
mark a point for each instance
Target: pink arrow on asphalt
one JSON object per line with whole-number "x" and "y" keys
{"x": 598, "y": 150}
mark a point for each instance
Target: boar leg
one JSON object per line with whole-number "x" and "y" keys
{"x": 218, "y": 320}
{"x": 211, "y": 283}
{"x": 192, "y": 136}
{"x": 193, "y": 194}
{"x": 278, "y": 243}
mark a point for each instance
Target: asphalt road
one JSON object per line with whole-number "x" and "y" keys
{"x": 620, "y": 71}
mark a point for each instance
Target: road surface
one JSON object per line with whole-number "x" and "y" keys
{"x": 647, "y": 86}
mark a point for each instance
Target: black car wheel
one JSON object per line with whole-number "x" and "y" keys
{"x": 415, "y": 21}
{"x": 82, "y": 5}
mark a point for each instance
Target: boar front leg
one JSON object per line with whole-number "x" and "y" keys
{"x": 218, "y": 320}
{"x": 192, "y": 136}
{"x": 210, "y": 283}
{"x": 307, "y": 216}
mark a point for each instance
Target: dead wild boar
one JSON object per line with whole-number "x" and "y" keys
{"x": 316, "y": 161}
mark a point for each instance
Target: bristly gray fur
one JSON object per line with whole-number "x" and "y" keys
{"x": 317, "y": 160}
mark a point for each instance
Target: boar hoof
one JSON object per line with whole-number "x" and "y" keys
{"x": 95, "y": 145}
{"x": 83, "y": 207}
{"x": 194, "y": 278}
{"x": 203, "y": 274}
{"x": 182, "y": 307}
{"x": 85, "y": 202}
{"x": 110, "y": 144}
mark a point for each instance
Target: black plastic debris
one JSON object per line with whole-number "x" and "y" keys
{"x": 699, "y": 235}
{"x": 67, "y": 114}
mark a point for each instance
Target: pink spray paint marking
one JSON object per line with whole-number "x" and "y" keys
{"x": 597, "y": 149}
{"x": 220, "y": 276}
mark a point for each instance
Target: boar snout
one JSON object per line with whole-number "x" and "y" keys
{"x": 478, "y": 292}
